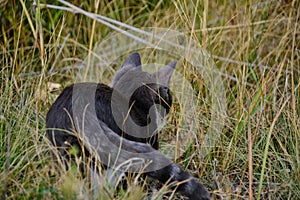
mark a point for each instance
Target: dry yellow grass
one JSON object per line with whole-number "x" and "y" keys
{"x": 254, "y": 45}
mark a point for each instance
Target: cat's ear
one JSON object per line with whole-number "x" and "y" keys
{"x": 164, "y": 75}
{"x": 134, "y": 60}
{"x": 131, "y": 62}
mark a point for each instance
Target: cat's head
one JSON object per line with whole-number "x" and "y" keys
{"x": 142, "y": 88}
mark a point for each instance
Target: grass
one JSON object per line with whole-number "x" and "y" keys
{"x": 255, "y": 47}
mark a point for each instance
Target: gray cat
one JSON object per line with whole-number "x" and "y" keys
{"x": 123, "y": 117}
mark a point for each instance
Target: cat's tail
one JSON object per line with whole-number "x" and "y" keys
{"x": 113, "y": 150}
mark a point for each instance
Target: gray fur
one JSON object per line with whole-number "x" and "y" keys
{"x": 86, "y": 109}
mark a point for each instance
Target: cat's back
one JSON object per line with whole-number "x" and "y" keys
{"x": 61, "y": 109}
{"x": 77, "y": 91}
